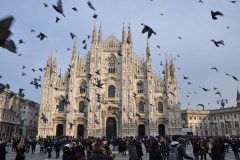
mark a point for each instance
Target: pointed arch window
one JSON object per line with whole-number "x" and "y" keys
{"x": 81, "y": 106}
{"x": 160, "y": 107}
{"x": 61, "y": 106}
{"x": 111, "y": 91}
{"x": 140, "y": 87}
{"x": 141, "y": 107}
{"x": 83, "y": 87}
{"x": 112, "y": 64}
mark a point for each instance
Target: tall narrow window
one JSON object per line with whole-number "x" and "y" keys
{"x": 81, "y": 106}
{"x": 141, "y": 107}
{"x": 111, "y": 91}
{"x": 83, "y": 87}
{"x": 112, "y": 64}
{"x": 140, "y": 87}
{"x": 236, "y": 124}
{"x": 222, "y": 125}
{"x": 61, "y": 106}
{"x": 160, "y": 107}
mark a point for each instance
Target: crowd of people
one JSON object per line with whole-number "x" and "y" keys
{"x": 92, "y": 148}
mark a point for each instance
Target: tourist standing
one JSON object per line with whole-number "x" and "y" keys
{"x": 20, "y": 149}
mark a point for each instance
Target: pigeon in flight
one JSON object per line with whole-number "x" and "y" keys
{"x": 233, "y": 2}
{"x": 95, "y": 16}
{"x": 20, "y": 41}
{"x": 218, "y": 42}
{"x": 59, "y": 7}
{"x": 205, "y": 89}
{"x": 44, "y": 118}
{"x": 90, "y": 5}
{"x": 5, "y": 33}
{"x": 75, "y": 9}
{"x": 214, "y": 68}
{"x": 57, "y": 19}
{"x": 72, "y": 35}
{"x": 71, "y": 125}
{"x": 148, "y": 29}
{"x": 42, "y": 36}
{"x": 201, "y": 105}
{"x": 45, "y": 5}
{"x": 215, "y": 14}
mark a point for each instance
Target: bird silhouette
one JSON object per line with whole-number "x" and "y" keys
{"x": 185, "y": 77}
{"x": 218, "y": 42}
{"x": 148, "y": 29}
{"x": 233, "y": 2}
{"x": 90, "y": 5}
{"x": 215, "y": 14}
{"x": 45, "y": 5}
{"x": 214, "y": 68}
{"x": 75, "y": 9}
{"x": 5, "y": 24}
{"x": 205, "y": 89}
{"x": 219, "y": 93}
{"x": 72, "y": 35}
{"x": 20, "y": 41}
{"x": 44, "y": 118}
{"x": 41, "y": 36}
{"x": 57, "y": 19}
{"x": 200, "y": 1}
{"x": 71, "y": 125}
{"x": 59, "y": 7}
{"x": 95, "y": 16}
{"x": 201, "y": 105}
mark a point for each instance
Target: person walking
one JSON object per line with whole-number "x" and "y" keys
{"x": 2, "y": 150}
{"x": 203, "y": 149}
{"x": 218, "y": 150}
{"x": 132, "y": 150}
{"x": 235, "y": 149}
{"x": 20, "y": 149}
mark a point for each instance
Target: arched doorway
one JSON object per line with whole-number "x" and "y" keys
{"x": 111, "y": 127}
{"x": 80, "y": 130}
{"x": 141, "y": 130}
{"x": 59, "y": 130}
{"x": 161, "y": 130}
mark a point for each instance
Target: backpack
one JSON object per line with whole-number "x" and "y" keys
{"x": 173, "y": 153}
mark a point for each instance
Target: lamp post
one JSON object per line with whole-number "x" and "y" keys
{"x": 222, "y": 102}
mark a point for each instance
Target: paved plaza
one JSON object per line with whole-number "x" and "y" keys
{"x": 37, "y": 156}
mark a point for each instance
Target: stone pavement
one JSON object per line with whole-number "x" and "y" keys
{"x": 37, "y": 156}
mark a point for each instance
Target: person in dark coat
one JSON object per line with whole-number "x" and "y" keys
{"x": 67, "y": 155}
{"x": 20, "y": 149}
{"x": 196, "y": 149}
{"x": 218, "y": 150}
{"x": 155, "y": 153}
{"x": 2, "y": 150}
{"x": 99, "y": 152}
{"x": 139, "y": 150}
{"x": 235, "y": 149}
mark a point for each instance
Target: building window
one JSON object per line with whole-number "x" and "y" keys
{"x": 190, "y": 117}
{"x": 235, "y": 115}
{"x": 236, "y": 124}
{"x": 220, "y": 117}
{"x": 229, "y": 125}
{"x": 160, "y": 107}
{"x": 140, "y": 87}
{"x": 141, "y": 107}
{"x": 222, "y": 125}
{"x": 111, "y": 91}
{"x": 195, "y": 118}
{"x": 200, "y": 125}
{"x": 61, "y": 106}
{"x": 112, "y": 64}
{"x": 81, "y": 106}
{"x": 227, "y": 116}
{"x": 83, "y": 87}
{"x": 214, "y": 117}
{"x": 196, "y": 125}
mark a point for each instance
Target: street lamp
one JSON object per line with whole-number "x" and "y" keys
{"x": 223, "y": 102}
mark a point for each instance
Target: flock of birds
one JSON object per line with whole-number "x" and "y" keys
{"x": 9, "y": 44}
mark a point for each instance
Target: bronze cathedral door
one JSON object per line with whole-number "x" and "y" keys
{"x": 111, "y": 127}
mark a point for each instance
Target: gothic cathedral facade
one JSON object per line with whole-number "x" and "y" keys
{"x": 111, "y": 91}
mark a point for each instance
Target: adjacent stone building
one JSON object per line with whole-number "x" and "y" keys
{"x": 14, "y": 117}
{"x": 111, "y": 91}
{"x": 217, "y": 122}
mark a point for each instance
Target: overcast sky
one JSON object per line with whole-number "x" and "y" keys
{"x": 188, "y": 19}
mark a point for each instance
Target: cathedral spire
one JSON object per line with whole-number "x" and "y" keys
{"x": 94, "y": 36}
{"x": 166, "y": 68}
{"x": 129, "y": 39}
{"x": 75, "y": 50}
{"x": 49, "y": 65}
{"x": 238, "y": 95}
{"x": 100, "y": 33}
{"x": 123, "y": 34}
{"x": 54, "y": 66}
{"x": 148, "y": 51}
